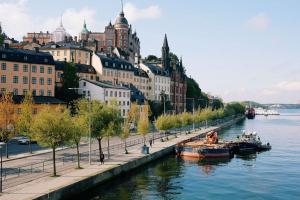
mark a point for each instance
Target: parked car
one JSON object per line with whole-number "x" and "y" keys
{"x": 25, "y": 140}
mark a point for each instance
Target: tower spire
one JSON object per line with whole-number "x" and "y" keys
{"x": 61, "y": 24}
{"x": 122, "y": 6}
{"x": 166, "y": 41}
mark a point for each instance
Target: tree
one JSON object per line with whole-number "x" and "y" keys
{"x": 7, "y": 118}
{"x": 217, "y": 103}
{"x": 134, "y": 113}
{"x": 69, "y": 80}
{"x": 143, "y": 127}
{"x": 125, "y": 132}
{"x": 51, "y": 129}
{"x": 194, "y": 92}
{"x": 25, "y": 119}
{"x": 1, "y": 39}
{"x": 151, "y": 58}
{"x": 77, "y": 129}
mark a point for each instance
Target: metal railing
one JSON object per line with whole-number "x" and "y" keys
{"x": 69, "y": 160}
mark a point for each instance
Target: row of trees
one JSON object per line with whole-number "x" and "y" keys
{"x": 165, "y": 122}
{"x": 62, "y": 126}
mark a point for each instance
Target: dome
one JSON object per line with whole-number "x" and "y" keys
{"x": 84, "y": 29}
{"x": 121, "y": 20}
{"x": 59, "y": 34}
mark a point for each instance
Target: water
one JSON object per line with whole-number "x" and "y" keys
{"x": 272, "y": 175}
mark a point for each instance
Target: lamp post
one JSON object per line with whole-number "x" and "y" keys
{"x": 193, "y": 112}
{"x": 1, "y": 144}
{"x": 90, "y": 110}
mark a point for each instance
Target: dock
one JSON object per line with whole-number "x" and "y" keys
{"x": 77, "y": 181}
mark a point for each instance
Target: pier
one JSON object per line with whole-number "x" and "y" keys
{"x": 76, "y": 181}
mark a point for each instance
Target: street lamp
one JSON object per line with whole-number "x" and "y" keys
{"x": 90, "y": 110}
{"x": 1, "y": 144}
{"x": 193, "y": 111}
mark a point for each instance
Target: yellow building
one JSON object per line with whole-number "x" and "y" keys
{"x": 69, "y": 52}
{"x": 22, "y": 71}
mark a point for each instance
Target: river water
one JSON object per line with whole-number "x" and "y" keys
{"x": 273, "y": 174}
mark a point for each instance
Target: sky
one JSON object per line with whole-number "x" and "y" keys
{"x": 237, "y": 50}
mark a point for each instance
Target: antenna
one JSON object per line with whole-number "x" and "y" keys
{"x": 122, "y": 6}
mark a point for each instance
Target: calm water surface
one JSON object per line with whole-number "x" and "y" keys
{"x": 273, "y": 174}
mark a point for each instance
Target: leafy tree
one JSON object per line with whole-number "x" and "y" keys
{"x": 194, "y": 92}
{"x": 51, "y": 129}
{"x": 217, "y": 104}
{"x": 77, "y": 129}
{"x": 7, "y": 118}
{"x": 25, "y": 119}
{"x": 1, "y": 39}
{"x": 69, "y": 80}
{"x": 143, "y": 127}
{"x": 133, "y": 113}
{"x": 151, "y": 58}
{"x": 174, "y": 58}
{"x": 125, "y": 132}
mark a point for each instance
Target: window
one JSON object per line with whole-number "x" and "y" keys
{"x": 3, "y": 66}
{"x": 123, "y": 103}
{"x": 84, "y": 84}
{"x": 3, "y": 55}
{"x": 16, "y": 67}
{"x": 33, "y": 69}
{"x": 111, "y": 93}
{"x": 15, "y": 91}
{"x": 49, "y": 93}
{"x": 59, "y": 74}
{"x": 116, "y": 94}
{"x": 106, "y": 64}
{"x": 65, "y": 52}
{"x": 49, "y": 70}
{"x": 127, "y": 103}
{"x": 120, "y": 94}
{"x": 34, "y": 92}
{"x": 49, "y": 81}
{"x": 106, "y": 93}
{"x": 92, "y": 77}
{"x": 124, "y": 94}
{"x": 42, "y": 69}
{"x": 25, "y": 68}
{"x": 123, "y": 112}
{"x": 128, "y": 94}
{"x": 3, "y": 79}
{"x": 15, "y": 79}
{"x": 25, "y": 80}
{"x": 33, "y": 80}
{"x": 25, "y": 92}
{"x": 58, "y": 53}
{"x": 41, "y": 92}
{"x": 41, "y": 81}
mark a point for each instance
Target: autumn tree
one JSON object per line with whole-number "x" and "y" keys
{"x": 143, "y": 126}
{"x": 51, "y": 129}
{"x": 125, "y": 133}
{"x": 7, "y": 119}
{"x": 25, "y": 119}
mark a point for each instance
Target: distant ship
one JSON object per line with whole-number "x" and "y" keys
{"x": 266, "y": 112}
{"x": 250, "y": 113}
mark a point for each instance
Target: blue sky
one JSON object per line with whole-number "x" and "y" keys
{"x": 238, "y": 50}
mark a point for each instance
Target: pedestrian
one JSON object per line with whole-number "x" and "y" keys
{"x": 150, "y": 142}
{"x": 102, "y": 158}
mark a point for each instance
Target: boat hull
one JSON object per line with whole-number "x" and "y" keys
{"x": 204, "y": 152}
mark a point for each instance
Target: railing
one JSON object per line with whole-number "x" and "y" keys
{"x": 68, "y": 160}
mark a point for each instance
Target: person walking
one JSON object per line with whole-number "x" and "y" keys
{"x": 150, "y": 142}
{"x": 102, "y": 158}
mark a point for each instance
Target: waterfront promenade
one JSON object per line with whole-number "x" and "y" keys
{"x": 44, "y": 185}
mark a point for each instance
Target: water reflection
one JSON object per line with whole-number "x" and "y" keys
{"x": 207, "y": 165}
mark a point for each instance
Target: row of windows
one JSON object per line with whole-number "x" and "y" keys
{"x": 162, "y": 80}
{"x": 25, "y": 91}
{"x": 115, "y": 94}
{"x": 114, "y": 65}
{"x": 25, "y": 68}
{"x": 117, "y": 74}
{"x": 64, "y": 53}
{"x": 162, "y": 88}
{"x": 25, "y": 80}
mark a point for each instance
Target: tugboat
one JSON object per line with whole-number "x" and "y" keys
{"x": 250, "y": 113}
{"x": 209, "y": 148}
{"x": 249, "y": 142}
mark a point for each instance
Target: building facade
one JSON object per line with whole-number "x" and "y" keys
{"x": 23, "y": 71}
{"x": 107, "y": 93}
{"x": 159, "y": 81}
{"x": 40, "y": 38}
{"x": 118, "y": 35}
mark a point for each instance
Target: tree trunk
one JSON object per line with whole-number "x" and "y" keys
{"x": 6, "y": 149}
{"x": 108, "y": 147}
{"x": 144, "y": 139}
{"x": 78, "y": 156}
{"x": 30, "y": 149}
{"x": 54, "y": 163}
{"x": 100, "y": 148}
{"x": 125, "y": 145}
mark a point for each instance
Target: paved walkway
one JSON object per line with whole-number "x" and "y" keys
{"x": 44, "y": 185}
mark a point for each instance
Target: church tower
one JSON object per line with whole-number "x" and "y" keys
{"x": 165, "y": 58}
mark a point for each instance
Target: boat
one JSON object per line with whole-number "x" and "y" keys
{"x": 250, "y": 113}
{"x": 249, "y": 142}
{"x": 208, "y": 148}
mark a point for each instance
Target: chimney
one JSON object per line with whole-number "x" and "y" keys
{"x": 75, "y": 38}
{"x": 37, "y": 49}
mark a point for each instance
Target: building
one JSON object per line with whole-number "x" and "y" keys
{"x": 39, "y": 38}
{"x": 159, "y": 81}
{"x": 60, "y": 34}
{"x": 118, "y": 36}
{"x": 107, "y": 92}
{"x": 69, "y": 52}
{"x": 120, "y": 71}
{"x": 178, "y": 84}
{"x": 22, "y": 71}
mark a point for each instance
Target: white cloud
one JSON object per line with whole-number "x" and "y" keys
{"x": 134, "y": 14}
{"x": 21, "y": 22}
{"x": 259, "y": 22}
{"x": 284, "y": 86}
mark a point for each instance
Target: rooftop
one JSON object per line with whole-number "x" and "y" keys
{"x": 81, "y": 68}
{"x": 38, "y": 100}
{"x": 105, "y": 84}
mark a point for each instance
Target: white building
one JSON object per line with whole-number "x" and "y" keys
{"x": 106, "y": 92}
{"x": 159, "y": 81}
{"x": 59, "y": 34}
